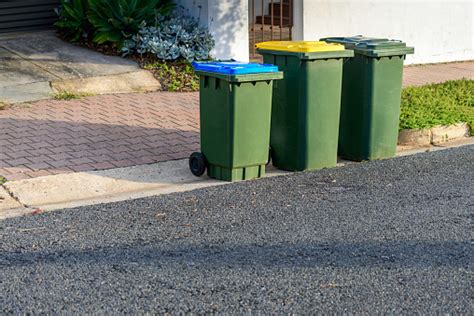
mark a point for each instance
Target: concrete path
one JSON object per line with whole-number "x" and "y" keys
{"x": 35, "y": 65}
{"x": 437, "y": 73}
{"x": 382, "y": 237}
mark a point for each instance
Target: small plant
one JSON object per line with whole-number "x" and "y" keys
{"x": 115, "y": 21}
{"x": 66, "y": 96}
{"x": 438, "y": 104}
{"x": 174, "y": 76}
{"x": 3, "y": 105}
{"x": 174, "y": 37}
{"x": 73, "y": 20}
{"x": 2, "y": 180}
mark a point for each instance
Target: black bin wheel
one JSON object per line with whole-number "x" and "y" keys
{"x": 197, "y": 164}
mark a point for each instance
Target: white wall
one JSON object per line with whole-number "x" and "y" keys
{"x": 440, "y": 31}
{"x": 227, "y": 21}
{"x": 196, "y": 8}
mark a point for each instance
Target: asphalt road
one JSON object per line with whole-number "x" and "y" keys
{"x": 387, "y": 236}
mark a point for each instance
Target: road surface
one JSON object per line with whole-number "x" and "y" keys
{"x": 392, "y": 236}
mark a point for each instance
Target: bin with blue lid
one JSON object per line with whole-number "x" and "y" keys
{"x": 235, "y": 110}
{"x": 371, "y": 92}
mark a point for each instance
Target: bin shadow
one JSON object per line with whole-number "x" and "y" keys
{"x": 368, "y": 254}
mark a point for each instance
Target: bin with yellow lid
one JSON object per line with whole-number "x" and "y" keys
{"x": 306, "y": 103}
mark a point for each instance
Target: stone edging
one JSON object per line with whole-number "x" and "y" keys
{"x": 433, "y": 136}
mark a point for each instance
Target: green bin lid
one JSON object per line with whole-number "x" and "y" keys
{"x": 371, "y": 46}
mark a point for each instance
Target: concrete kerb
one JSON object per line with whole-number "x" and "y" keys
{"x": 10, "y": 207}
{"x": 137, "y": 81}
{"x": 433, "y": 136}
{"x": 88, "y": 188}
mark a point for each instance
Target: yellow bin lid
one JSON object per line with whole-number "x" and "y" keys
{"x": 301, "y": 46}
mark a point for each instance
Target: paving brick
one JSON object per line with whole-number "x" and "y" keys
{"x": 38, "y": 173}
{"x": 38, "y": 166}
{"x": 60, "y": 163}
{"x": 82, "y": 168}
{"x": 143, "y": 160}
{"x": 101, "y": 158}
{"x": 17, "y": 162}
{"x": 61, "y": 170}
{"x": 140, "y": 153}
{"x": 123, "y": 163}
{"x": 38, "y": 159}
{"x": 103, "y": 165}
{"x": 40, "y": 145}
{"x": 18, "y": 176}
{"x": 20, "y": 147}
{"x": 60, "y": 156}
{"x": 5, "y": 142}
{"x": 39, "y": 151}
{"x": 80, "y": 161}
{"x": 18, "y": 154}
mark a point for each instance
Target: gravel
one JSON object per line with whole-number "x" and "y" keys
{"x": 392, "y": 236}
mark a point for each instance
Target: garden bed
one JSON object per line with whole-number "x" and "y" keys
{"x": 157, "y": 34}
{"x": 439, "y": 104}
{"x": 175, "y": 76}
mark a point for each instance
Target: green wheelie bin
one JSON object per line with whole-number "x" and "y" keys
{"x": 371, "y": 91}
{"x": 306, "y": 103}
{"x": 235, "y": 112}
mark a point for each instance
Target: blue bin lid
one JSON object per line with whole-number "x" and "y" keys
{"x": 234, "y": 67}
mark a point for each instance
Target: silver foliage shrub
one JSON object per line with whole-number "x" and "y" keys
{"x": 173, "y": 37}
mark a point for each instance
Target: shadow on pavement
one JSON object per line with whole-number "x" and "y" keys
{"x": 409, "y": 254}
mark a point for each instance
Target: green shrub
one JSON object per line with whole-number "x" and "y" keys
{"x": 73, "y": 20}
{"x": 176, "y": 36}
{"x": 438, "y": 104}
{"x": 116, "y": 20}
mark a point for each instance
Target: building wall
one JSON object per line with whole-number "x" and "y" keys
{"x": 440, "y": 31}
{"x": 27, "y": 15}
{"x": 227, "y": 21}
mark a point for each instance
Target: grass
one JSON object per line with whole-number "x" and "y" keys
{"x": 438, "y": 104}
{"x": 66, "y": 96}
{"x": 173, "y": 76}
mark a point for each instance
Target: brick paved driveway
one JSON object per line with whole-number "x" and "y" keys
{"x": 97, "y": 133}
{"x": 420, "y": 75}
{"x": 110, "y": 131}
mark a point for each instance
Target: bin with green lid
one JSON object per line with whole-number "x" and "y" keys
{"x": 371, "y": 92}
{"x": 235, "y": 110}
{"x": 306, "y": 103}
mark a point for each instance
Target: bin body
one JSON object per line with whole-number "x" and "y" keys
{"x": 306, "y": 107}
{"x": 371, "y": 92}
{"x": 235, "y": 112}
